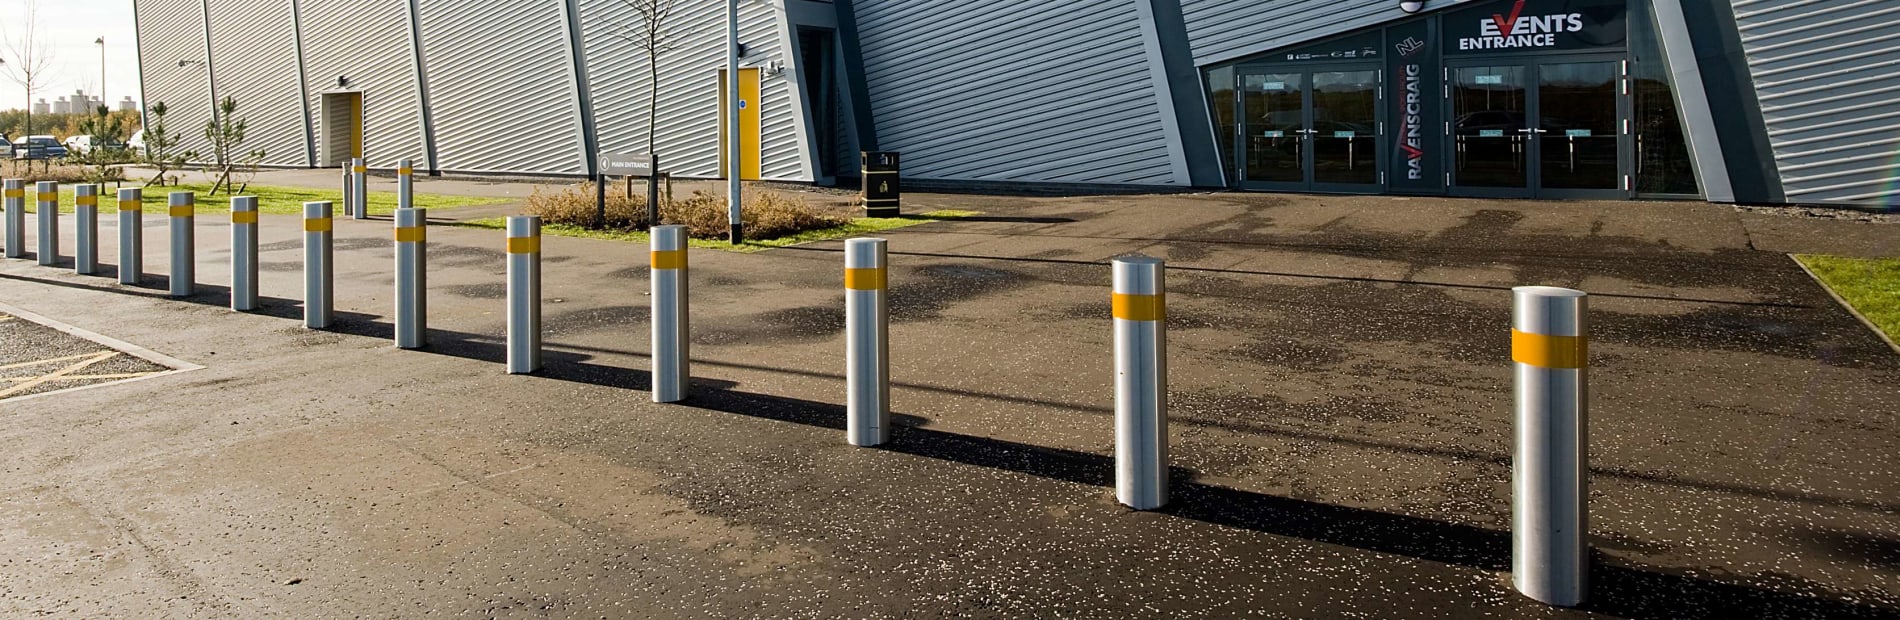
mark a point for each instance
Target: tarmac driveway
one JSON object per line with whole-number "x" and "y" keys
{"x": 1341, "y": 426}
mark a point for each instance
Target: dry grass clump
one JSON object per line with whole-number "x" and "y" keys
{"x": 766, "y": 215}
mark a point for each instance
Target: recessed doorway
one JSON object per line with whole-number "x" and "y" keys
{"x": 341, "y": 128}
{"x": 1554, "y": 128}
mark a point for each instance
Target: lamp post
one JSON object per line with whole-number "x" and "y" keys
{"x": 101, "y": 42}
{"x": 732, "y": 121}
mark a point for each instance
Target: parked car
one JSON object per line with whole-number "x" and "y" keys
{"x": 39, "y": 147}
{"x": 6, "y": 147}
{"x": 137, "y": 143}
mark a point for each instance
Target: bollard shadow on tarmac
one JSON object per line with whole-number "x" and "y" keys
{"x": 1618, "y": 590}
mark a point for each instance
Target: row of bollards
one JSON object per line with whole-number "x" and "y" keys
{"x": 1549, "y": 349}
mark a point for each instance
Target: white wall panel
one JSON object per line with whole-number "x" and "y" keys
{"x": 501, "y": 86}
{"x": 368, "y": 41}
{"x": 1222, "y": 30}
{"x": 1044, "y": 90}
{"x": 1827, "y": 73}
{"x": 687, "y": 137}
{"x": 253, "y": 49}
{"x": 171, "y": 31}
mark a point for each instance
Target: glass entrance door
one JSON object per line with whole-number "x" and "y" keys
{"x": 1548, "y": 130}
{"x": 1306, "y": 130}
{"x": 1274, "y": 125}
{"x": 1577, "y": 138}
{"x": 1490, "y": 110}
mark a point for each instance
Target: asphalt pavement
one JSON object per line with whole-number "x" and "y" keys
{"x": 1340, "y": 426}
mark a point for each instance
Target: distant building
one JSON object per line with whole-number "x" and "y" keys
{"x": 128, "y": 105}
{"x": 42, "y": 107}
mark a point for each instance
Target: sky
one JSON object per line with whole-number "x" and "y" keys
{"x": 72, "y": 26}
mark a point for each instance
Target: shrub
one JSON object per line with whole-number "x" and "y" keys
{"x": 766, "y": 215}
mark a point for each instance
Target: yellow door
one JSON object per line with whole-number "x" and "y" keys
{"x": 356, "y": 127}
{"x": 750, "y": 145}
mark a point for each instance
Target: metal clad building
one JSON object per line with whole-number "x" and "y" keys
{"x": 1756, "y": 101}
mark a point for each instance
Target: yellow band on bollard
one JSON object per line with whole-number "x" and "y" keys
{"x": 524, "y": 245}
{"x": 668, "y": 259}
{"x": 405, "y": 171}
{"x": 362, "y": 169}
{"x": 184, "y": 211}
{"x": 1562, "y": 352}
{"x": 410, "y": 234}
{"x": 48, "y": 197}
{"x": 1139, "y": 307}
{"x": 86, "y": 201}
{"x": 243, "y": 217}
{"x": 131, "y": 205}
{"x": 16, "y": 193}
{"x": 867, "y": 279}
{"x": 318, "y": 224}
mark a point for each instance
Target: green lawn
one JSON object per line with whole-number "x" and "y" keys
{"x": 858, "y": 227}
{"x": 1870, "y": 285}
{"x": 272, "y": 199}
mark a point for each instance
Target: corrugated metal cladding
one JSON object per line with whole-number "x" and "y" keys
{"x": 253, "y": 48}
{"x": 1041, "y": 91}
{"x": 689, "y": 104}
{"x": 181, "y": 89}
{"x": 367, "y": 41}
{"x": 1222, "y": 30}
{"x": 1828, "y": 76}
{"x": 501, "y": 86}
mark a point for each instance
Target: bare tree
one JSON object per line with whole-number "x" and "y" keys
{"x": 654, "y": 31}
{"x": 26, "y": 58}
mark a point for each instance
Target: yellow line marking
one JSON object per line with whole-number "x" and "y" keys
{"x": 58, "y": 373}
{"x": 122, "y": 375}
{"x": 56, "y": 359}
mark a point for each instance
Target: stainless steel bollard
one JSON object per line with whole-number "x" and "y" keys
{"x": 405, "y": 184}
{"x": 349, "y": 187}
{"x": 412, "y": 278}
{"x": 318, "y": 275}
{"x": 86, "y": 229}
{"x": 359, "y": 190}
{"x": 1549, "y": 488}
{"x": 672, "y": 320}
{"x": 131, "y": 235}
{"x": 15, "y": 205}
{"x": 244, "y": 253}
{"x": 48, "y": 217}
{"x": 184, "y": 243}
{"x": 1141, "y": 382}
{"x": 524, "y": 294}
{"x": 867, "y": 343}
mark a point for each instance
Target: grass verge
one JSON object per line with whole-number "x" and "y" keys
{"x": 857, "y": 227}
{"x": 270, "y": 199}
{"x": 1870, "y": 285}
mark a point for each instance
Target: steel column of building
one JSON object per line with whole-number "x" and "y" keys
{"x": 1549, "y": 488}
{"x": 86, "y": 225}
{"x": 360, "y": 189}
{"x": 1141, "y": 382}
{"x": 672, "y": 322}
{"x": 15, "y": 195}
{"x": 867, "y": 343}
{"x": 182, "y": 207}
{"x": 524, "y": 294}
{"x": 319, "y": 224}
{"x": 733, "y": 140}
{"x": 412, "y": 278}
{"x": 47, "y": 214}
{"x": 131, "y": 235}
{"x": 244, "y": 253}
